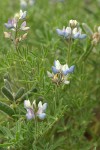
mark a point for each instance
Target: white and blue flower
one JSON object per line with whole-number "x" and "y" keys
{"x": 30, "y": 110}
{"x": 33, "y": 111}
{"x": 64, "y": 69}
{"x": 60, "y": 72}
{"x": 21, "y": 15}
{"x": 71, "y": 32}
{"x": 41, "y": 110}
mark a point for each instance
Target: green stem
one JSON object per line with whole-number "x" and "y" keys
{"x": 35, "y": 139}
{"x": 88, "y": 53}
{"x": 85, "y": 54}
{"x": 69, "y": 50}
{"x": 47, "y": 130}
{"x": 15, "y": 37}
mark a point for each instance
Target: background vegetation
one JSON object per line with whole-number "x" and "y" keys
{"x": 73, "y": 113}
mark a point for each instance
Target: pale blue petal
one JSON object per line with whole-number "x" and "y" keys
{"x": 82, "y": 36}
{"x": 59, "y": 32}
{"x": 65, "y": 34}
{"x": 24, "y": 15}
{"x": 76, "y": 36}
{"x": 66, "y": 72}
{"x": 54, "y": 70}
{"x": 62, "y": 33}
{"x": 30, "y": 114}
{"x": 70, "y": 70}
{"x": 8, "y": 26}
{"x": 42, "y": 116}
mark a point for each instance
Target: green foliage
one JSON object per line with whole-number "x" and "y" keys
{"x": 19, "y": 93}
{"x": 6, "y": 109}
{"x": 7, "y": 93}
{"x": 73, "y": 112}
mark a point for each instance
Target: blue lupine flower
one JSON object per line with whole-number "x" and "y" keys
{"x": 76, "y": 34}
{"x": 61, "y": 68}
{"x": 60, "y": 72}
{"x": 32, "y": 111}
{"x": 65, "y": 32}
{"x": 71, "y": 32}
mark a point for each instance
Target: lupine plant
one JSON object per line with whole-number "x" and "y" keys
{"x": 50, "y": 84}
{"x": 17, "y": 25}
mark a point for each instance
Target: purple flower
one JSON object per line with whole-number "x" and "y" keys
{"x": 11, "y": 24}
{"x": 23, "y": 26}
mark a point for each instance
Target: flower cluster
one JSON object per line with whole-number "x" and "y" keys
{"x": 60, "y": 73}
{"x": 15, "y": 25}
{"x": 33, "y": 111}
{"x": 24, "y": 3}
{"x": 73, "y": 31}
{"x": 96, "y": 37}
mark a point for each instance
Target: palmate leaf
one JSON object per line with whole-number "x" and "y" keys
{"x": 6, "y": 109}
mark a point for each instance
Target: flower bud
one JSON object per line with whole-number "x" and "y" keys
{"x": 73, "y": 23}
